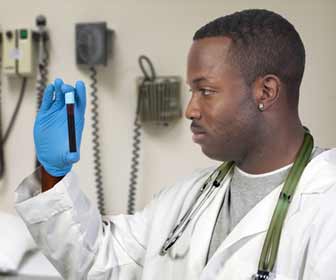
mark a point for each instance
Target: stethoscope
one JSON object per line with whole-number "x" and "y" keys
{"x": 271, "y": 243}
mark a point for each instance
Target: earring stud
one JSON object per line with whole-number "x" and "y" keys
{"x": 261, "y": 107}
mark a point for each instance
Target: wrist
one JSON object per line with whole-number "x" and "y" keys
{"x": 48, "y": 181}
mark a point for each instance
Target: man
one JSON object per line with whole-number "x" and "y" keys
{"x": 244, "y": 72}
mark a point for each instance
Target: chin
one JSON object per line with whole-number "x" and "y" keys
{"x": 215, "y": 155}
{"x": 212, "y": 154}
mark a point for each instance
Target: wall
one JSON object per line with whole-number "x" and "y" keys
{"x": 163, "y": 31}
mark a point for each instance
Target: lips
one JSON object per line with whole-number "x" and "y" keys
{"x": 196, "y": 129}
{"x": 198, "y": 133}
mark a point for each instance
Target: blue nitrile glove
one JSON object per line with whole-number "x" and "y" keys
{"x": 51, "y": 128}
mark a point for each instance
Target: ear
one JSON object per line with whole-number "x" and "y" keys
{"x": 267, "y": 90}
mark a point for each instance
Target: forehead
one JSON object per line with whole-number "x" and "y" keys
{"x": 208, "y": 58}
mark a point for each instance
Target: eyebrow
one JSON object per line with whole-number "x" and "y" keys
{"x": 197, "y": 80}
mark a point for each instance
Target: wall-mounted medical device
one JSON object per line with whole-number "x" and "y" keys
{"x": 93, "y": 44}
{"x": 19, "y": 47}
{"x": 158, "y": 103}
{"x": 18, "y": 55}
{"x": 158, "y": 96}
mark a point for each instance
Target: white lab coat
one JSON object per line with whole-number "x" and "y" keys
{"x": 68, "y": 229}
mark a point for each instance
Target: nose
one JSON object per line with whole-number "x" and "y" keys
{"x": 193, "y": 109}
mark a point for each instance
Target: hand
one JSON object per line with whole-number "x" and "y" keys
{"x": 51, "y": 128}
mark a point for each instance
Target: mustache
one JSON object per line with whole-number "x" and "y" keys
{"x": 196, "y": 127}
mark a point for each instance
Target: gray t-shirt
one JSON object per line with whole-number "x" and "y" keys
{"x": 244, "y": 192}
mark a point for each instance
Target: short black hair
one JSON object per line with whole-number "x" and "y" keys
{"x": 263, "y": 42}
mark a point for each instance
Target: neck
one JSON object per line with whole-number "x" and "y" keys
{"x": 273, "y": 150}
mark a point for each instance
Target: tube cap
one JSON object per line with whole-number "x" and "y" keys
{"x": 70, "y": 97}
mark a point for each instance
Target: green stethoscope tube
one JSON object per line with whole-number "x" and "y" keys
{"x": 271, "y": 244}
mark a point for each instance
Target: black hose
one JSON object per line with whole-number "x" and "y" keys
{"x": 2, "y": 159}
{"x": 41, "y": 83}
{"x": 96, "y": 144}
{"x": 16, "y": 111}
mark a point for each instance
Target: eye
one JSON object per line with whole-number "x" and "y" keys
{"x": 206, "y": 91}
{"x": 202, "y": 91}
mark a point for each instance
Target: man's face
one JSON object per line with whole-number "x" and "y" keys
{"x": 222, "y": 107}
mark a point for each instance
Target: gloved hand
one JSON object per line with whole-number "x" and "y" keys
{"x": 51, "y": 128}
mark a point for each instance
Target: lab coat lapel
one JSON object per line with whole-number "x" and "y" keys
{"x": 253, "y": 224}
{"x": 255, "y": 221}
{"x": 194, "y": 243}
{"x": 258, "y": 219}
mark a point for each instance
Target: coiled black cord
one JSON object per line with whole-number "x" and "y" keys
{"x": 41, "y": 83}
{"x": 96, "y": 144}
{"x": 137, "y": 137}
{"x": 42, "y": 80}
{"x": 152, "y": 75}
{"x": 134, "y": 165}
{"x": 2, "y": 160}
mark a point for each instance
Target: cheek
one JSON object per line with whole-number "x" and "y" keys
{"x": 231, "y": 123}
{"x": 220, "y": 118}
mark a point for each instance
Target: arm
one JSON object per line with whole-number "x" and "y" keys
{"x": 76, "y": 239}
{"x": 66, "y": 226}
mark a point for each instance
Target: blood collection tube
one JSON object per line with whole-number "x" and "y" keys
{"x": 70, "y": 104}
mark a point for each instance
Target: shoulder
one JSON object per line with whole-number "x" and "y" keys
{"x": 320, "y": 174}
{"x": 323, "y": 183}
